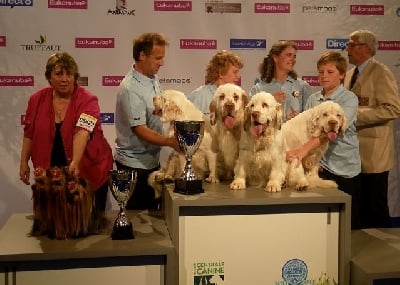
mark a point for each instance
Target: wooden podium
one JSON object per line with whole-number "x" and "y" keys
{"x": 255, "y": 237}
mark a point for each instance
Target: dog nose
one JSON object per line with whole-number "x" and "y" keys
{"x": 332, "y": 123}
{"x": 255, "y": 115}
{"x": 229, "y": 105}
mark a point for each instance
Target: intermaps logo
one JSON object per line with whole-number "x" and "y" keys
{"x": 94, "y": 42}
{"x": 272, "y": 8}
{"x": 247, "y": 44}
{"x": 40, "y": 44}
{"x": 68, "y": 4}
{"x": 336, "y": 43}
{"x": 107, "y": 118}
{"x": 173, "y": 5}
{"x": 367, "y": 9}
{"x": 121, "y": 8}
{"x": 16, "y": 3}
{"x": 197, "y": 44}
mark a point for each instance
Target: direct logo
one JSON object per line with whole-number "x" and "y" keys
{"x": 247, "y": 43}
{"x": 16, "y": 3}
{"x": 336, "y": 43}
{"x": 197, "y": 44}
{"x": 173, "y": 6}
{"x": 94, "y": 42}
{"x": 219, "y": 7}
{"x": 41, "y": 45}
{"x": 367, "y": 9}
{"x": 107, "y": 118}
{"x": 294, "y": 272}
{"x": 3, "y": 41}
{"x": 272, "y": 8}
{"x": 121, "y": 8}
{"x": 68, "y": 4}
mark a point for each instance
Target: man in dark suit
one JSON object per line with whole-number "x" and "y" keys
{"x": 379, "y": 105}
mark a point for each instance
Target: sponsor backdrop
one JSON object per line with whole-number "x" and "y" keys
{"x": 98, "y": 34}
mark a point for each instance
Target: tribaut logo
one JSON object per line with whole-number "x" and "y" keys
{"x": 247, "y": 44}
{"x": 121, "y": 8}
{"x": 41, "y": 45}
{"x": 336, "y": 43}
{"x": 16, "y": 3}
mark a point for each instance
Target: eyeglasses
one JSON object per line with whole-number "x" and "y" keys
{"x": 351, "y": 45}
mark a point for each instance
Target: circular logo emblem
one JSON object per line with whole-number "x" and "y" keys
{"x": 294, "y": 272}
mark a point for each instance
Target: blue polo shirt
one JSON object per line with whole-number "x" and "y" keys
{"x": 202, "y": 97}
{"x": 134, "y": 107}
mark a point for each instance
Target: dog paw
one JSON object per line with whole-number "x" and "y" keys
{"x": 212, "y": 179}
{"x": 159, "y": 177}
{"x": 302, "y": 185}
{"x": 238, "y": 184}
{"x": 273, "y": 186}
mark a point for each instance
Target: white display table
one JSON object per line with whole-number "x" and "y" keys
{"x": 255, "y": 237}
{"x": 375, "y": 257}
{"x": 96, "y": 259}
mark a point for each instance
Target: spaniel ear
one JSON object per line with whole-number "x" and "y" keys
{"x": 247, "y": 118}
{"x": 313, "y": 122}
{"x": 245, "y": 99}
{"x": 172, "y": 111}
{"x": 343, "y": 126}
{"x": 278, "y": 116}
{"x": 213, "y": 112}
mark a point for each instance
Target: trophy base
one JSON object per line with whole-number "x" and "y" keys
{"x": 190, "y": 187}
{"x": 122, "y": 232}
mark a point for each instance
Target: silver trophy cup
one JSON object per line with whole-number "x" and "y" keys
{"x": 189, "y": 135}
{"x": 121, "y": 184}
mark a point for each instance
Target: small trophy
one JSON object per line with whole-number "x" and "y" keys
{"x": 122, "y": 183}
{"x": 189, "y": 135}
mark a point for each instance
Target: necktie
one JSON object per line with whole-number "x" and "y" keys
{"x": 354, "y": 77}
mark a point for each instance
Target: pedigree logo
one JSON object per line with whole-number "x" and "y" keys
{"x": 321, "y": 9}
{"x": 172, "y": 5}
{"x": 197, "y": 44}
{"x": 107, "y": 118}
{"x": 219, "y": 7}
{"x": 94, "y": 42}
{"x": 272, "y": 8}
{"x": 121, "y": 8}
{"x": 389, "y": 45}
{"x": 311, "y": 80}
{"x": 367, "y": 9}
{"x": 247, "y": 44}
{"x": 68, "y": 4}
{"x": 16, "y": 3}
{"x": 16, "y": 80}
{"x": 109, "y": 80}
{"x": 304, "y": 44}
{"x": 3, "y": 41}
{"x": 41, "y": 45}
{"x": 336, "y": 43}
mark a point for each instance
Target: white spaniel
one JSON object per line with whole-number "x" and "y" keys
{"x": 227, "y": 115}
{"x": 325, "y": 120}
{"x": 257, "y": 147}
{"x": 173, "y": 105}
